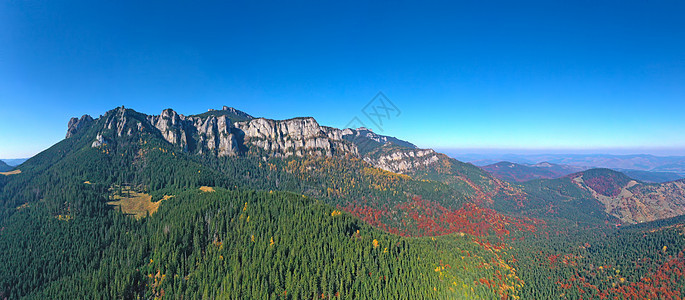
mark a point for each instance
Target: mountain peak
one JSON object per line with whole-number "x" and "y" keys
{"x": 233, "y": 114}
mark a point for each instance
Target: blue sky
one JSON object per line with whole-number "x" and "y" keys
{"x": 607, "y": 76}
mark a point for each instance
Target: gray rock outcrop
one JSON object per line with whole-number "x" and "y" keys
{"x": 297, "y": 137}
{"x": 218, "y": 132}
{"x": 404, "y": 160}
{"x": 75, "y": 124}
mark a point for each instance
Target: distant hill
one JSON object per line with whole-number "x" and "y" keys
{"x": 519, "y": 172}
{"x": 641, "y": 162}
{"x": 5, "y": 167}
{"x": 14, "y": 161}
{"x": 516, "y": 172}
{"x": 652, "y": 176}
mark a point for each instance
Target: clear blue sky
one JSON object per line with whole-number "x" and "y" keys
{"x": 506, "y": 75}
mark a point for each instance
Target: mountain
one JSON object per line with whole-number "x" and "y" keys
{"x": 172, "y": 172}
{"x": 519, "y": 172}
{"x": 223, "y": 133}
{"x": 327, "y": 152}
{"x": 226, "y": 205}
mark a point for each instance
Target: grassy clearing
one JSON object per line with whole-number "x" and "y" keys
{"x": 135, "y": 203}
{"x": 14, "y": 172}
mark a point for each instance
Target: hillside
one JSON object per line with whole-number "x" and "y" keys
{"x": 630, "y": 200}
{"x": 5, "y": 167}
{"x": 225, "y": 244}
{"x": 652, "y": 176}
{"x": 14, "y": 161}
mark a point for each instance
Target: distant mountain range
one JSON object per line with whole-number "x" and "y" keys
{"x": 523, "y": 172}
{"x": 13, "y": 161}
{"x": 641, "y": 162}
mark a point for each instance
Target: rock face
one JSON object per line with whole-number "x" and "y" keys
{"x": 77, "y": 124}
{"x": 117, "y": 119}
{"x": 211, "y": 134}
{"x": 297, "y": 137}
{"x": 230, "y": 132}
{"x": 99, "y": 141}
{"x": 216, "y": 133}
{"x": 403, "y": 160}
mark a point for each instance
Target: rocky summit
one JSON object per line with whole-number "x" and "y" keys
{"x": 231, "y": 132}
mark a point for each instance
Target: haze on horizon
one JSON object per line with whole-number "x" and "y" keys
{"x": 532, "y": 76}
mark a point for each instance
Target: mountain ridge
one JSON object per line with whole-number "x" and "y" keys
{"x": 214, "y": 133}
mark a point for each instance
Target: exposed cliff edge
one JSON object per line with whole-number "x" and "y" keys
{"x": 297, "y": 136}
{"x": 402, "y": 160}
{"x": 75, "y": 124}
{"x": 225, "y": 132}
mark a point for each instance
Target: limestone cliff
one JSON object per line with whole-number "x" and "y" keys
{"x": 297, "y": 137}
{"x": 402, "y": 160}
{"x": 225, "y": 132}
{"x": 75, "y": 124}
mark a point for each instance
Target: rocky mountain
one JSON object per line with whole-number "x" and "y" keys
{"x": 232, "y": 133}
{"x": 227, "y": 132}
